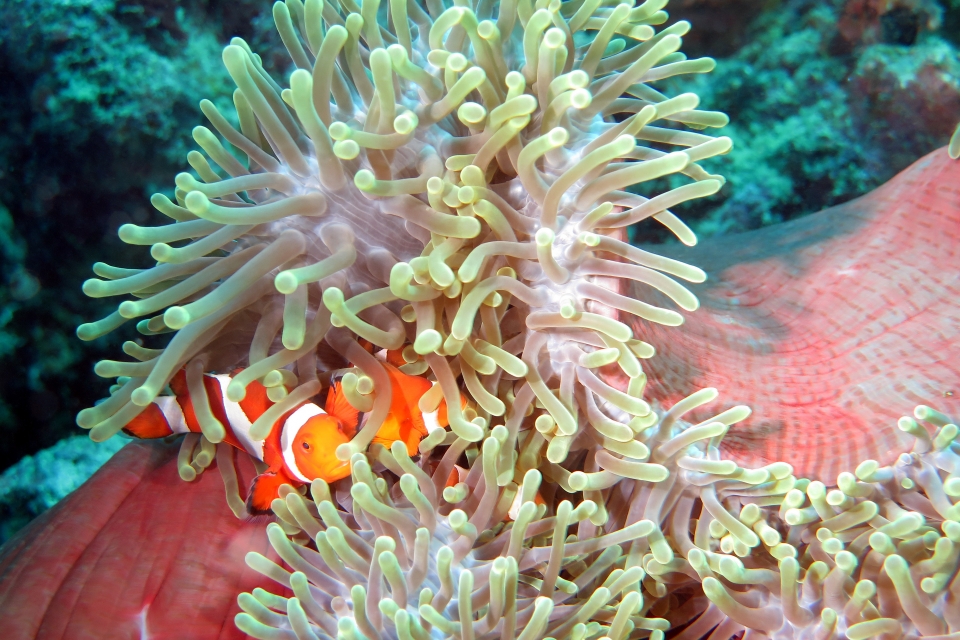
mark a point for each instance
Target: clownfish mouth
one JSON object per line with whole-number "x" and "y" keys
{"x": 339, "y": 468}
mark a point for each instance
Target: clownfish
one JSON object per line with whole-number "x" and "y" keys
{"x": 301, "y": 446}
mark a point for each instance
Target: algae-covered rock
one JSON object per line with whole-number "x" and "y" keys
{"x": 38, "y": 482}
{"x": 112, "y": 74}
{"x": 827, "y": 100}
{"x": 908, "y": 97}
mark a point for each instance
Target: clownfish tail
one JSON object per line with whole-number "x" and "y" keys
{"x": 264, "y": 490}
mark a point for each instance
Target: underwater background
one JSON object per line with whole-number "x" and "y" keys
{"x": 827, "y": 100}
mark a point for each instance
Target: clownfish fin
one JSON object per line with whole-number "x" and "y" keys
{"x": 338, "y": 407}
{"x": 259, "y": 519}
{"x": 457, "y": 474}
{"x": 150, "y": 424}
{"x": 264, "y": 490}
{"x": 395, "y": 357}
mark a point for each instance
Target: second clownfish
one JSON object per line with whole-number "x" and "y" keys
{"x": 301, "y": 446}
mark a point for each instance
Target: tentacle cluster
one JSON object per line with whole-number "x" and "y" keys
{"x": 452, "y": 177}
{"x": 706, "y": 549}
{"x": 452, "y": 180}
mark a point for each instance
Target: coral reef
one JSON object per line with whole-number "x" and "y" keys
{"x": 823, "y": 105}
{"x": 98, "y": 98}
{"x": 38, "y": 482}
{"x": 518, "y": 192}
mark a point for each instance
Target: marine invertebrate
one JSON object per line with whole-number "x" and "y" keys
{"x": 129, "y": 555}
{"x": 487, "y": 241}
{"x": 28, "y": 596}
{"x": 834, "y": 325}
{"x": 711, "y": 550}
{"x": 301, "y": 445}
{"x": 824, "y": 543}
{"x": 511, "y": 192}
{"x": 38, "y": 482}
{"x": 496, "y": 201}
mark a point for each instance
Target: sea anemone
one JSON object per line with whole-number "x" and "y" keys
{"x": 482, "y": 232}
{"x": 451, "y": 181}
{"x": 712, "y": 550}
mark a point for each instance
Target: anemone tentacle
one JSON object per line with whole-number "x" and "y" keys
{"x": 451, "y": 181}
{"x": 470, "y": 165}
{"x": 686, "y": 541}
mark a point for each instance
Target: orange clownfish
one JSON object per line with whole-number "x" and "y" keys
{"x": 405, "y": 421}
{"x": 301, "y": 445}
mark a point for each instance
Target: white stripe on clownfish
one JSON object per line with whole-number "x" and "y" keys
{"x": 514, "y": 512}
{"x": 288, "y": 433}
{"x": 239, "y": 421}
{"x": 172, "y": 413}
{"x": 432, "y": 420}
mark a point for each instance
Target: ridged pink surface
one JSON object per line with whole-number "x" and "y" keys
{"x": 136, "y": 552}
{"x": 830, "y": 327}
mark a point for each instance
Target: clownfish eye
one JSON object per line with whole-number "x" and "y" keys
{"x": 306, "y": 445}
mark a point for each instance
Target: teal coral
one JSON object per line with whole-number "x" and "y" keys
{"x": 38, "y": 482}
{"x": 812, "y": 126}
{"x": 98, "y": 78}
{"x": 96, "y": 97}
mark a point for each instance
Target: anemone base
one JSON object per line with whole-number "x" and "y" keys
{"x": 134, "y": 553}
{"x": 830, "y": 326}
